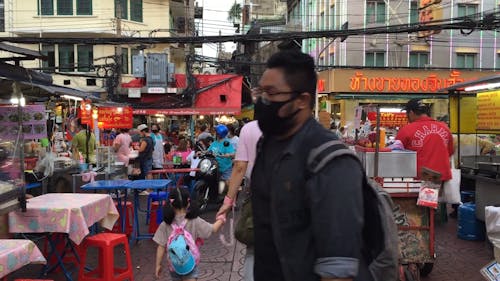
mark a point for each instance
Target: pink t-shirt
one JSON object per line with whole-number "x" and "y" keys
{"x": 124, "y": 140}
{"x": 247, "y": 145}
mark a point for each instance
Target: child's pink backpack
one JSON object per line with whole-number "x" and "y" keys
{"x": 182, "y": 250}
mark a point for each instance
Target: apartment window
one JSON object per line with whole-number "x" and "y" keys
{"x": 414, "y": 12}
{"x": 375, "y": 59}
{"x": 2, "y": 16}
{"x": 136, "y": 10}
{"x": 466, "y": 60}
{"x": 84, "y": 7}
{"x": 467, "y": 10}
{"x": 50, "y": 63}
{"x": 124, "y": 8}
{"x": 85, "y": 57}
{"x": 65, "y": 7}
{"x": 332, "y": 17}
{"x": 332, "y": 59}
{"x": 66, "y": 58}
{"x": 418, "y": 59}
{"x": 47, "y": 7}
{"x": 375, "y": 12}
{"x": 124, "y": 61}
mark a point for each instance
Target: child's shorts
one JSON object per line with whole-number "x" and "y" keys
{"x": 192, "y": 275}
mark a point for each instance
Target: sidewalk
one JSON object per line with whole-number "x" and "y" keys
{"x": 456, "y": 259}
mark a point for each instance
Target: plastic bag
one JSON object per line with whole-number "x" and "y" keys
{"x": 451, "y": 188}
{"x": 428, "y": 195}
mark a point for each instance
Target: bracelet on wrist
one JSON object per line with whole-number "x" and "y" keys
{"x": 228, "y": 201}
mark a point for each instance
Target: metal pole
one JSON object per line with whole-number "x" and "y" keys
{"x": 458, "y": 128}
{"x": 118, "y": 48}
{"x": 377, "y": 143}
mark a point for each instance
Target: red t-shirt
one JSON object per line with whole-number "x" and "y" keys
{"x": 433, "y": 143}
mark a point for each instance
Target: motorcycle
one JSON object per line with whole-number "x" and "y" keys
{"x": 208, "y": 187}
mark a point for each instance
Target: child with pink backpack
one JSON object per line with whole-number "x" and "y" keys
{"x": 180, "y": 234}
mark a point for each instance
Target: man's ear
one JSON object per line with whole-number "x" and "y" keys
{"x": 304, "y": 100}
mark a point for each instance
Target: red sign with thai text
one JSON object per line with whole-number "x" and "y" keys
{"x": 389, "y": 119}
{"x": 85, "y": 112}
{"x": 115, "y": 117}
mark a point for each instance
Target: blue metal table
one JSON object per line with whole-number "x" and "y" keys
{"x": 137, "y": 186}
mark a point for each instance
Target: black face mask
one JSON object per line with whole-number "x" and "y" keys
{"x": 155, "y": 131}
{"x": 270, "y": 123}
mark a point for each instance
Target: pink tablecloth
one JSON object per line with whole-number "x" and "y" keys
{"x": 16, "y": 253}
{"x": 71, "y": 213}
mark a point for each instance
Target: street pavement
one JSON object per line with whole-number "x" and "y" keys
{"x": 456, "y": 259}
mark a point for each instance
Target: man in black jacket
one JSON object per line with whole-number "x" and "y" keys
{"x": 306, "y": 226}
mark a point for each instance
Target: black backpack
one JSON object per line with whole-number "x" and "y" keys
{"x": 380, "y": 234}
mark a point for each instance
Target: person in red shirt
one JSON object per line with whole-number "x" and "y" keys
{"x": 431, "y": 139}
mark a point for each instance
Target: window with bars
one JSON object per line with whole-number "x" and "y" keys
{"x": 65, "y": 7}
{"x": 85, "y": 58}
{"x": 332, "y": 59}
{"x": 375, "y": 59}
{"x": 125, "y": 61}
{"x": 2, "y": 16}
{"x": 375, "y": 12}
{"x": 467, "y": 10}
{"x": 418, "y": 59}
{"x": 66, "y": 58}
{"x": 50, "y": 63}
{"x": 466, "y": 60}
{"x": 497, "y": 63}
{"x": 414, "y": 12}
{"x": 84, "y": 7}
{"x": 332, "y": 17}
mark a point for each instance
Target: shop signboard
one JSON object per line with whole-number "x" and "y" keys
{"x": 34, "y": 125}
{"x": 115, "y": 117}
{"x": 389, "y": 119}
{"x": 85, "y": 112}
{"x": 397, "y": 81}
{"x": 488, "y": 111}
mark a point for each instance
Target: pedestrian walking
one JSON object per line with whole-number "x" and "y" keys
{"x": 243, "y": 165}
{"x": 145, "y": 151}
{"x": 158, "y": 150}
{"x": 307, "y": 226}
{"x": 121, "y": 145}
{"x": 180, "y": 217}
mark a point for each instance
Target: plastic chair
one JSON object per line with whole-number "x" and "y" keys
{"x": 129, "y": 214}
{"x": 156, "y": 216}
{"x": 106, "y": 270}
{"x": 154, "y": 197}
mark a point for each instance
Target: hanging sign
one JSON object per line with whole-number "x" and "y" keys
{"x": 34, "y": 124}
{"x": 488, "y": 110}
{"x": 389, "y": 119}
{"x": 115, "y": 117}
{"x": 85, "y": 112}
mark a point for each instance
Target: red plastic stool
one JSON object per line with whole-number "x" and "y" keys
{"x": 106, "y": 270}
{"x": 129, "y": 215}
{"x": 33, "y": 280}
{"x": 63, "y": 248}
{"x": 156, "y": 217}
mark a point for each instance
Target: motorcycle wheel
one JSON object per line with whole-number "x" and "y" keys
{"x": 201, "y": 195}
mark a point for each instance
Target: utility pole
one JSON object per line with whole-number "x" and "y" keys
{"x": 118, "y": 48}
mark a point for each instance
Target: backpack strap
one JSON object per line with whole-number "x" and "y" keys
{"x": 323, "y": 154}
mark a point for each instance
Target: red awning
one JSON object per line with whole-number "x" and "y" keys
{"x": 217, "y": 94}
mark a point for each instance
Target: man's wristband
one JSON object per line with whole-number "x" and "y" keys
{"x": 228, "y": 201}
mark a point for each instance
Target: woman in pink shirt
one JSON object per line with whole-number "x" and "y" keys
{"x": 121, "y": 145}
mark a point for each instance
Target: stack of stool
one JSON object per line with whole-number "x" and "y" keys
{"x": 154, "y": 197}
{"x": 106, "y": 270}
{"x": 67, "y": 251}
{"x": 156, "y": 216}
{"x": 129, "y": 215}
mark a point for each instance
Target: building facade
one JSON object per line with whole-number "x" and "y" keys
{"x": 88, "y": 66}
{"x": 447, "y": 49}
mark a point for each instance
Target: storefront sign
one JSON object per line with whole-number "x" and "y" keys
{"x": 389, "y": 119}
{"x": 396, "y": 81}
{"x": 34, "y": 125}
{"x": 115, "y": 117}
{"x": 430, "y": 11}
{"x": 85, "y": 112}
{"x": 488, "y": 110}
{"x": 432, "y": 83}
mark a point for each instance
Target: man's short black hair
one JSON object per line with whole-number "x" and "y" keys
{"x": 203, "y": 127}
{"x": 299, "y": 70}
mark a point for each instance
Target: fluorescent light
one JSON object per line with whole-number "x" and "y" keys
{"x": 391, "y": 110}
{"x": 71, "y": 97}
{"x": 488, "y": 86}
{"x": 16, "y": 101}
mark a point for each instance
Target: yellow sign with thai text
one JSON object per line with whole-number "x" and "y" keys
{"x": 488, "y": 110}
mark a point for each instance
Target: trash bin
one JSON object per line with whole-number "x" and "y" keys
{"x": 469, "y": 228}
